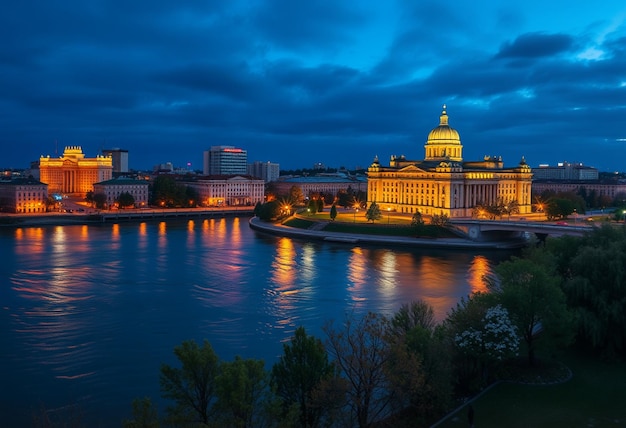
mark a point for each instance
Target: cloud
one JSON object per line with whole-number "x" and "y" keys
{"x": 536, "y": 45}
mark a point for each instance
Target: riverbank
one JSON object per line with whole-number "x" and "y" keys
{"x": 353, "y": 238}
{"x": 118, "y": 216}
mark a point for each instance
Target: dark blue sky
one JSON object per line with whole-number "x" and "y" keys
{"x": 299, "y": 82}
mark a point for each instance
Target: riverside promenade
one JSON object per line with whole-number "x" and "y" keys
{"x": 354, "y": 238}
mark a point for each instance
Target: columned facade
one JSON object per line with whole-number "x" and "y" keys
{"x": 73, "y": 173}
{"x": 444, "y": 184}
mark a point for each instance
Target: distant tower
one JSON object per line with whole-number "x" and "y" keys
{"x": 120, "y": 159}
{"x": 225, "y": 160}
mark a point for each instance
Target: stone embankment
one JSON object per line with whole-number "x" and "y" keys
{"x": 354, "y": 238}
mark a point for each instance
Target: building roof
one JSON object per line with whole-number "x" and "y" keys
{"x": 122, "y": 181}
{"x": 444, "y": 133}
{"x": 21, "y": 181}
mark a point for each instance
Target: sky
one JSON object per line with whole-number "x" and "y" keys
{"x": 302, "y": 82}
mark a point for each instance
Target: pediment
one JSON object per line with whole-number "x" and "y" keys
{"x": 412, "y": 168}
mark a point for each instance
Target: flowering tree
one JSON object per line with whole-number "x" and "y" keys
{"x": 495, "y": 341}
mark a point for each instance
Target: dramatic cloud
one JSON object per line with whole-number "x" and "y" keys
{"x": 298, "y": 83}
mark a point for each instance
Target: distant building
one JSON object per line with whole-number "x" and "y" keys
{"x": 119, "y": 157}
{"x": 23, "y": 195}
{"x": 115, "y": 187}
{"x": 611, "y": 190}
{"x": 225, "y": 160}
{"x": 326, "y": 184}
{"x": 565, "y": 171}
{"x": 443, "y": 183}
{"x": 266, "y": 171}
{"x": 74, "y": 173}
{"x": 228, "y": 190}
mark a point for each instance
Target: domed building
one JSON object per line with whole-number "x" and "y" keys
{"x": 443, "y": 183}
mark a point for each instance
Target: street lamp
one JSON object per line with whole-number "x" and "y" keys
{"x": 388, "y": 211}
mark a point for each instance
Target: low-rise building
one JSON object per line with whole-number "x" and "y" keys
{"x": 23, "y": 195}
{"x": 323, "y": 183}
{"x": 115, "y": 187}
{"x": 565, "y": 171}
{"x": 220, "y": 190}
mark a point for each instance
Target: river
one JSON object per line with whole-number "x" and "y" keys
{"x": 89, "y": 313}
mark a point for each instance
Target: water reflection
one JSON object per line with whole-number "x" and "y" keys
{"x": 84, "y": 305}
{"x": 480, "y": 269}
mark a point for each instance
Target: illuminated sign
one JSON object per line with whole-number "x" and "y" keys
{"x": 232, "y": 150}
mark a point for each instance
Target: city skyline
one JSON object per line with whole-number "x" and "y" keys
{"x": 300, "y": 83}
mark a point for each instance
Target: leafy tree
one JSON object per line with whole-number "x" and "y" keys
{"x": 312, "y": 206}
{"x": 144, "y": 415}
{"x": 241, "y": 389}
{"x": 440, "y": 220}
{"x": 298, "y": 373}
{"x": 100, "y": 200}
{"x": 125, "y": 199}
{"x": 535, "y": 302}
{"x": 295, "y": 195}
{"x": 373, "y": 213}
{"x": 344, "y": 199}
{"x": 417, "y": 220}
{"x": 595, "y": 286}
{"x": 192, "y": 387}
{"x": 361, "y": 352}
{"x": 320, "y": 204}
{"x": 420, "y": 369}
{"x": 470, "y": 369}
{"x": 269, "y": 210}
{"x": 333, "y": 212}
{"x": 89, "y": 197}
{"x": 257, "y": 209}
{"x": 559, "y": 208}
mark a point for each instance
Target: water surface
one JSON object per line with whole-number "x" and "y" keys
{"x": 89, "y": 313}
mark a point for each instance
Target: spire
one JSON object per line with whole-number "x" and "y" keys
{"x": 443, "y": 119}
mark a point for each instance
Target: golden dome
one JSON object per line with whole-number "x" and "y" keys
{"x": 443, "y": 133}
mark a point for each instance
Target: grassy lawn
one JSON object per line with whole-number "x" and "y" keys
{"x": 357, "y": 223}
{"x": 594, "y": 397}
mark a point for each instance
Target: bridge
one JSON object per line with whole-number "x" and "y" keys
{"x": 488, "y": 230}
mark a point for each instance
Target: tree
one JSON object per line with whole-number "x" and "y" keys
{"x": 241, "y": 389}
{"x": 320, "y": 204}
{"x": 312, "y": 207}
{"x": 125, "y": 199}
{"x": 100, "y": 200}
{"x": 298, "y": 373}
{"x": 144, "y": 415}
{"x": 535, "y": 302}
{"x": 595, "y": 286}
{"x": 333, "y": 212}
{"x": 440, "y": 220}
{"x": 417, "y": 220}
{"x": 420, "y": 369}
{"x": 361, "y": 353}
{"x": 373, "y": 213}
{"x": 295, "y": 195}
{"x": 193, "y": 386}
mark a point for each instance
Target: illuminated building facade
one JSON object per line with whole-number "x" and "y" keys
{"x": 443, "y": 183}
{"x": 229, "y": 190}
{"x": 73, "y": 173}
{"x": 114, "y": 188}
{"x": 225, "y": 160}
{"x": 23, "y": 195}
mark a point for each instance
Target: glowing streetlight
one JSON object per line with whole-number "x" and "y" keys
{"x": 388, "y": 212}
